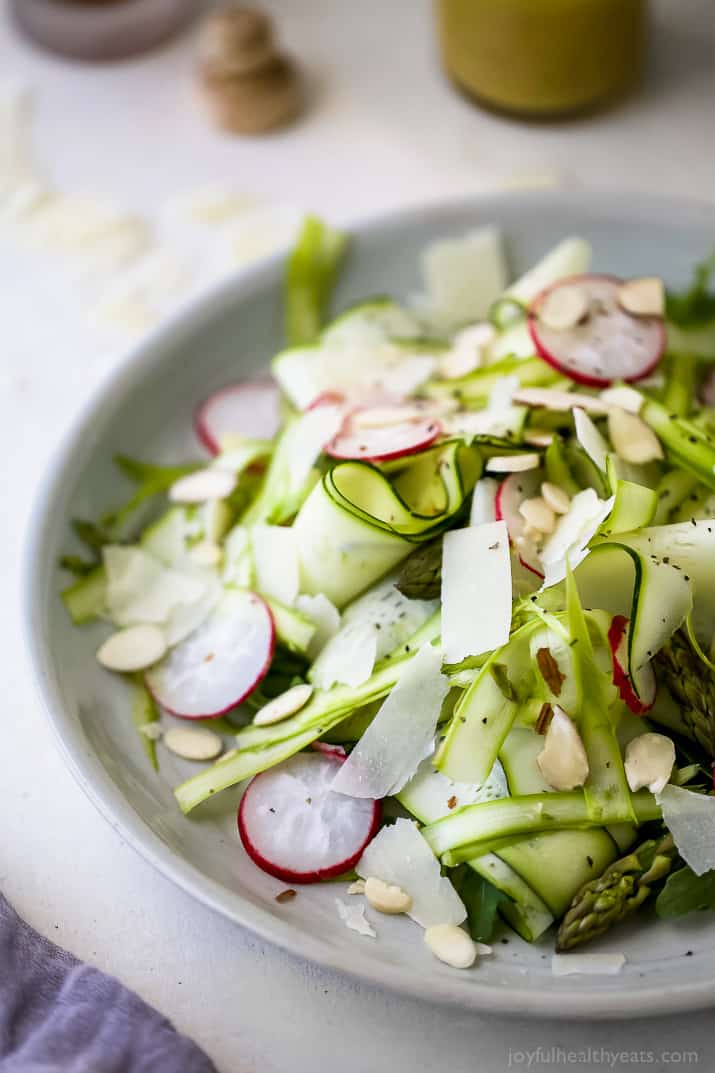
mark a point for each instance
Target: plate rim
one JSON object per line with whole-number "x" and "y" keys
{"x": 94, "y": 780}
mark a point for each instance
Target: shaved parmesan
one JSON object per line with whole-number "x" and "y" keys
{"x": 357, "y": 371}
{"x": 353, "y": 917}
{"x": 401, "y": 735}
{"x": 348, "y": 658}
{"x": 587, "y": 964}
{"x": 569, "y": 541}
{"x": 590, "y": 438}
{"x": 430, "y": 794}
{"x": 690, "y": 818}
{"x": 326, "y": 617}
{"x": 483, "y": 501}
{"x": 275, "y": 556}
{"x": 464, "y": 276}
{"x": 476, "y": 590}
{"x": 400, "y": 855}
{"x": 305, "y": 440}
{"x": 140, "y": 589}
{"x": 373, "y": 625}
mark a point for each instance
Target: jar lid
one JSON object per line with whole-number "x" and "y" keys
{"x": 101, "y": 29}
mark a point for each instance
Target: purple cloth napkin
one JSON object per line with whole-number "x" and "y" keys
{"x": 60, "y": 1016}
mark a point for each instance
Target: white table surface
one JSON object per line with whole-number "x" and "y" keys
{"x": 384, "y": 129}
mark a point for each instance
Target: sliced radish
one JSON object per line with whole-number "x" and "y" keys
{"x": 220, "y": 663}
{"x": 607, "y": 344}
{"x": 250, "y": 409}
{"x": 336, "y": 751}
{"x": 512, "y": 492}
{"x": 382, "y": 433}
{"x": 637, "y": 702}
{"x": 297, "y": 829}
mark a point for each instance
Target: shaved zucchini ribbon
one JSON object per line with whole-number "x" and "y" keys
{"x": 359, "y": 521}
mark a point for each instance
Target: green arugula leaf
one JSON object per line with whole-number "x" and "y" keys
{"x": 481, "y": 900}
{"x": 684, "y": 892}
{"x": 697, "y": 304}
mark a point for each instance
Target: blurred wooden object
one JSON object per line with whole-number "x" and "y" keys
{"x": 249, "y": 85}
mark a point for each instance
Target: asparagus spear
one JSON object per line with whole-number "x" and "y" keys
{"x": 692, "y": 684}
{"x": 622, "y": 889}
{"x": 421, "y": 574}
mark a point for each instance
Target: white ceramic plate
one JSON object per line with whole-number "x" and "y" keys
{"x": 145, "y": 410}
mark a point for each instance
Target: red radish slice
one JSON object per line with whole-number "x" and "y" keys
{"x": 641, "y": 702}
{"x": 380, "y": 442}
{"x": 326, "y": 398}
{"x": 220, "y": 663}
{"x": 324, "y": 747}
{"x": 510, "y": 495}
{"x": 297, "y": 829}
{"x": 250, "y": 409}
{"x": 607, "y": 344}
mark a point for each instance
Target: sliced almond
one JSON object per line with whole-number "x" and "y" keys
{"x": 632, "y": 439}
{"x": 387, "y": 897}
{"x": 555, "y": 497}
{"x": 649, "y": 762}
{"x": 644, "y": 297}
{"x": 627, "y": 398}
{"x": 564, "y": 307}
{"x": 133, "y": 649}
{"x": 451, "y": 945}
{"x": 202, "y": 486}
{"x": 283, "y": 705}
{"x": 538, "y": 514}
{"x": 549, "y": 398}
{"x": 563, "y": 761}
{"x": 513, "y": 463}
{"x": 538, "y": 437}
{"x": 152, "y": 731}
{"x": 206, "y": 553}
{"x": 193, "y": 743}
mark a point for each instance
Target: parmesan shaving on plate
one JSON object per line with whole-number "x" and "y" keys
{"x": 275, "y": 556}
{"x": 355, "y": 370}
{"x": 484, "y": 501}
{"x": 141, "y": 590}
{"x": 305, "y": 440}
{"x": 476, "y": 574}
{"x": 590, "y": 438}
{"x": 574, "y": 530}
{"x": 690, "y": 818}
{"x": 400, "y": 855}
{"x": 464, "y": 276}
{"x": 353, "y": 917}
{"x": 372, "y": 626}
{"x": 587, "y": 964}
{"x": 326, "y": 617}
{"x": 401, "y": 735}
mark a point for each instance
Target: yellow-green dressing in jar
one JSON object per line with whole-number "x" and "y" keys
{"x": 543, "y": 57}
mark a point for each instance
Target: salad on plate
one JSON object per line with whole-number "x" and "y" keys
{"x": 441, "y": 595}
